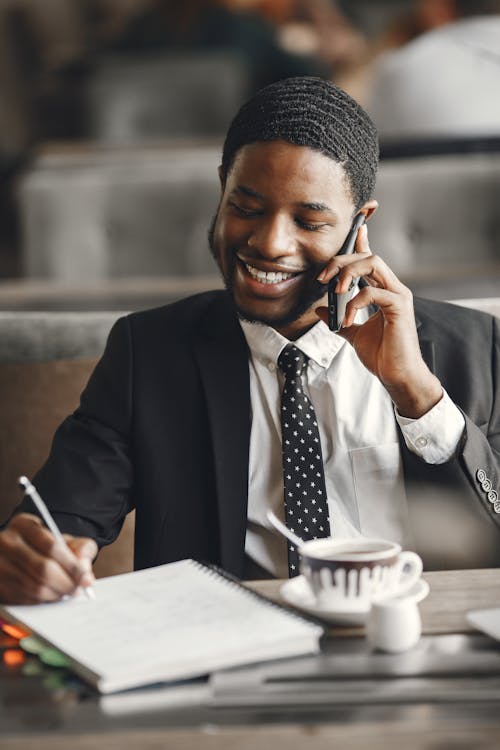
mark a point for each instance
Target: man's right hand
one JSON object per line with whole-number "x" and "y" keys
{"x": 35, "y": 567}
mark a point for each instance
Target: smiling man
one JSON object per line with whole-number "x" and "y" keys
{"x": 274, "y": 234}
{"x": 206, "y": 414}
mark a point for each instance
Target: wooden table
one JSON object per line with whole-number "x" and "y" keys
{"x": 452, "y": 594}
{"x": 32, "y": 718}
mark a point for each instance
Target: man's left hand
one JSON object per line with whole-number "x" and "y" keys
{"x": 387, "y": 343}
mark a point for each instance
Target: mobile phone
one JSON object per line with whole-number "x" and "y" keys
{"x": 337, "y": 302}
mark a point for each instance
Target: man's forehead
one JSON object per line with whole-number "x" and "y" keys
{"x": 283, "y": 161}
{"x": 268, "y": 147}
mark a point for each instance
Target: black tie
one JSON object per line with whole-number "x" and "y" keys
{"x": 306, "y": 507}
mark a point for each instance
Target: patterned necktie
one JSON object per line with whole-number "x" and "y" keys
{"x": 306, "y": 507}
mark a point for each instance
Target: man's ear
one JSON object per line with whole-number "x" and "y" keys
{"x": 369, "y": 208}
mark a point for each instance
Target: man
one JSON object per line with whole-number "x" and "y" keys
{"x": 439, "y": 85}
{"x": 181, "y": 417}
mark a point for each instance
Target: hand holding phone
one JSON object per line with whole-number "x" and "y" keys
{"x": 336, "y": 301}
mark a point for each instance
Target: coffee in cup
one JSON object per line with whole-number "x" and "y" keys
{"x": 349, "y": 573}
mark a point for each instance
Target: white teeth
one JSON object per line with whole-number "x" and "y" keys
{"x": 270, "y": 277}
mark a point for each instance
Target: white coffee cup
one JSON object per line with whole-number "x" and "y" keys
{"x": 349, "y": 573}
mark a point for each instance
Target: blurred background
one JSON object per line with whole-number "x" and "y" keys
{"x": 112, "y": 115}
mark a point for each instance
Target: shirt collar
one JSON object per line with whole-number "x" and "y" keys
{"x": 318, "y": 343}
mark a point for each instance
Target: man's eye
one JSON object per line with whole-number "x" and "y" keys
{"x": 247, "y": 212}
{"x": 310, "y": 227}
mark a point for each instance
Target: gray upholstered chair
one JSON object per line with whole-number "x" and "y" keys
{"x": 132, "y": 98}
{"x": 439, "y": 215}
{"x": 94, "y": 214}
{"x": 111, "y": 214}
{"x": 45, "y": 361}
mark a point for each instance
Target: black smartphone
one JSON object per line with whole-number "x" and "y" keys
{"x": 334, "y": 323}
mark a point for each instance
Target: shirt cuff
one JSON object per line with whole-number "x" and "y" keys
{"x": 435, "y": 436}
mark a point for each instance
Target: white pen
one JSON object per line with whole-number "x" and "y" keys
{"x": 30, "y": 490}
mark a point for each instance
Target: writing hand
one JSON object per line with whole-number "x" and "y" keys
{"x": 387, "y": 343}
{"x": 35, "y": 568}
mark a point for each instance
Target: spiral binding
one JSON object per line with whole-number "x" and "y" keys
{"x": 216, "y": 572}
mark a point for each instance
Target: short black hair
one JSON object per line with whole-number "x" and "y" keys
{"x": 312, "y": 112}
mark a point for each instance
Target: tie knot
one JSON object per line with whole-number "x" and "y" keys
{"x": 292, "y": 361}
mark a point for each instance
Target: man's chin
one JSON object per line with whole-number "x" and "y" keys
{"x": 308, "y": 302}
{"x": 263, "y": 311}
{"x": 251, "y": 317}
{"x": 277, "y": 321}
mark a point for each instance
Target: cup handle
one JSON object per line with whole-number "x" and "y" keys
{"x": 411, "y": 567}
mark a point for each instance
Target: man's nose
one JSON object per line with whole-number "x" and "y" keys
{"x": 273, "y": 237}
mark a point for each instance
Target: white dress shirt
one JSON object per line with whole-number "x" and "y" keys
{"x": 359, "y": 441}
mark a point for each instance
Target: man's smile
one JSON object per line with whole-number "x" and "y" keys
{"x": 266, "y": 279}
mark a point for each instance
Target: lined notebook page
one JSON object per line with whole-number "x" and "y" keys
{"x": 171, "y": 622}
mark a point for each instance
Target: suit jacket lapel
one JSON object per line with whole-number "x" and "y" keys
{"x": 222, "y": 355}
{"x": 426, "y": 347}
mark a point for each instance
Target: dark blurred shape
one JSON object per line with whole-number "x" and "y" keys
{"x": 198, "y": 25}
{"x": 438, "y": 147}
{"x": 18, "y": 63}
{"x": 18, "y": 124}
{"x": 322, "y": 28}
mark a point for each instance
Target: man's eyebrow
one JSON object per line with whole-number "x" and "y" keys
{"x": 317, "y": 207}
{"x": 311, "y": 206}
{"x": 247, "y": 191}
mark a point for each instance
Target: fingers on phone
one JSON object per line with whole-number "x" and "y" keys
{"x": 362, "y": 243}
{"x": 327, "y": 274}
{"x": 374, "y": 271}
{"x": 341, "y": 259}
{"x": 396, "y": 304}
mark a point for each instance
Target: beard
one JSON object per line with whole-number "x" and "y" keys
{"x": 311, "y": 293}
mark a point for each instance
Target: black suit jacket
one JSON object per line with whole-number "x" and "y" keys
{"x": 164, "y": 426}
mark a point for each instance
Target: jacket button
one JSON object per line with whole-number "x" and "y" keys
{"x": 486, "y": 485}
{"x": 493, "y": 496}
{"x": 496, "y": 507}
{"x": 481, "y": 475}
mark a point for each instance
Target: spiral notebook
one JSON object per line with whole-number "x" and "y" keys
{"x": 172, "y": 622}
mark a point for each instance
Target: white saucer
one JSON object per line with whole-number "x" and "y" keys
{"x": 297, "y": 593}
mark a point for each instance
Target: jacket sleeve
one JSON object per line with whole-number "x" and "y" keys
{"x": 87, "y": 479}
{"x": 479, "y": 456}
{"x": 471, "y": 371}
